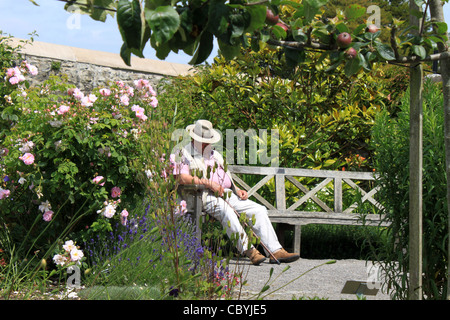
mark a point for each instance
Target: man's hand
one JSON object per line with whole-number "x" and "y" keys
{"x": 216, "y": 188}
{"x": 242, "y": 194}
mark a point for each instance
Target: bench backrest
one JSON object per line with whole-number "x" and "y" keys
{"x": 331, "y": 180}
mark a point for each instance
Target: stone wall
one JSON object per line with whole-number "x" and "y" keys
{"x": 88, "y": 69}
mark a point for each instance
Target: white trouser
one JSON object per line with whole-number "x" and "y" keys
{"x": 222, "y": 211}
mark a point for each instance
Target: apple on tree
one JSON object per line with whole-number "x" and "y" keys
{"x": 271, "y": 18}
{"x": 372, "y": 28}
{"x": 350, "y": 53}
{"x": 282, "y": 25}
{"x": 344, "y": 39}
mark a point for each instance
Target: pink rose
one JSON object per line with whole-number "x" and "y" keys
{"x": 77, "y": 94}
{"x": 47, "y": 216}
{"x": 115, "y": 192}
{"x": 14, "y": 80}
{"x": 123, "y": 217}
{"x": 105, "y": 92}
{"x": 4, "y": 193}
{"x": 27, "y": 158}
{"x": 97, "y": 180}
{"x": 10, "y": 72}
{"x": 124, "y": 100}
{"x": 63, "y": 109}
{"x": 32, "y": 69}
{"x": 154, "y": 102}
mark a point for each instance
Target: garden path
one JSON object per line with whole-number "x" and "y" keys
{"x": 324, "y": 281}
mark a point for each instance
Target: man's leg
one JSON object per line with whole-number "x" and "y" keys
{"x": 263, "y": 227}
{"x": 222, "y": 212}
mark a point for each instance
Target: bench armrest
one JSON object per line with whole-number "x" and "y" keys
{"x": 191, "y": 187}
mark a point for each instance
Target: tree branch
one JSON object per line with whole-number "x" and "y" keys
{"x": 394, "y": 43}
{"x": 298, "y": 45}
{"x": 315, "y": 45}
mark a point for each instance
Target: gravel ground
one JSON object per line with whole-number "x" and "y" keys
{"x": 324, "y": 281}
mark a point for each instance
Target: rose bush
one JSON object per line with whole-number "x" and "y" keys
{"x": 71, "y": 160}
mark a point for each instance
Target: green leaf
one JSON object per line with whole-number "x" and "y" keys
{"x": 294, "y": 57}
{"x": 163, "y": 21}
{"x": 265, "y": 288}
{"x": 218, "y": 17}
{"x": 228, "y": 51}
{"x": 204, "y": 49}
{"x": 278, "y": 32}
{"x": 419, "y": 51}
{"x": 441, "y": 27}
{"x": 125, "y": 54}
{"x": 385, "y": 51}
{"x": 342, "y": 27}
{"x": 316, "y": 3}
{"x": 354, "y": 11}
{"x": 309, "y": 11}
{"x": 98, "y": 11}
{"x": 354, "y": 65}
{"x": 257, "y": 16}
{"x": 130, "y": 24}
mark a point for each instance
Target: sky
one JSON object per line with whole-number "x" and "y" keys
{"x": 55, "y": 25}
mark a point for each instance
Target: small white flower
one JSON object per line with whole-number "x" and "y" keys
{"x": 27, "y": 147}
{"x": 69, "y": 246}
{"x": 109, "y": 211}
{"x": 59, "y": 259}
{"x": 44, "y": 206}
{"x": 76, "y": 254}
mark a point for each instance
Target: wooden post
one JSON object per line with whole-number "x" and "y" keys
{"x": 415, "y": 187}
{"x": 415, "y": 172}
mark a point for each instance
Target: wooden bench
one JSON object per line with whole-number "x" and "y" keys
{"x": 282, "y": 214}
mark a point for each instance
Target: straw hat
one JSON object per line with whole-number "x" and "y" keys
{"x": 202, "y": 131}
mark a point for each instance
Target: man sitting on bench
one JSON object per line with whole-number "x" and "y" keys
{"x": 222, "y": 195}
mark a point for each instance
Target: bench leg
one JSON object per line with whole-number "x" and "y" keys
{"x": 296, "y": 241}
{"x": 198, "y": 215}
{"x": 297, "y": 237}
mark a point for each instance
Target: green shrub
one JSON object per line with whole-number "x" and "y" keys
{"x": 72, "y": 160}
{"x": 391, "y": 143}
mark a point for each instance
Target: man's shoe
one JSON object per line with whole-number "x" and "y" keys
{"x": 255, "y": 256}
{"x": 284, "y": 256}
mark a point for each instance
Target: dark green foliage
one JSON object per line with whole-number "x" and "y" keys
{"x": 391, "y": 142}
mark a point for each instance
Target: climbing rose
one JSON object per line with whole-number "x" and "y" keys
{"x": 97, "y": 180}
{"x": 63, "y": 109}
{"x": 115, "y": 192}
{"x": 27, "y": 158}
{"x": 4, "y": 193}
{"x": 47, "y": 216}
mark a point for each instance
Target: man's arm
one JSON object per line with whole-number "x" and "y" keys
{"x": 184, "y": 178}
